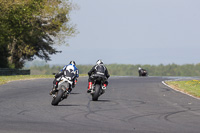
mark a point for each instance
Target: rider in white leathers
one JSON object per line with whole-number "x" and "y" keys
{"x": 69, "y": 70}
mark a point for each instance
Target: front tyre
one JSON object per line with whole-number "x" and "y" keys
{"x": 95, "y": 95}
{"x": 58, "y": 97}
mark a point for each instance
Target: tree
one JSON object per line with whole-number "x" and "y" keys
{"x": 30, "y": 28}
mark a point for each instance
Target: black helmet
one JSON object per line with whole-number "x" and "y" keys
{"x": 99, "y": 62}
{"x": 72, "y": 62}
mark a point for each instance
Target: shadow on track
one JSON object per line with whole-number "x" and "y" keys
{"x": 102, "y": 101}
{"x": 74, "y": 93}
{"x": 66, "y": 105}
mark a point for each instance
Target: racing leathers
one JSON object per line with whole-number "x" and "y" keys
{"x": 72, "y": 69}
{"x": 98, "y": 69}
{"x": 142, "y": 72}
{"x": 69, "y": 70}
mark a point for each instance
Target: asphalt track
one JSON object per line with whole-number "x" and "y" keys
{"x": 130, "y": 105}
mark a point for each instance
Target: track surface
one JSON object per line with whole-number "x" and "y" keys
{"x": 130, "y": 105}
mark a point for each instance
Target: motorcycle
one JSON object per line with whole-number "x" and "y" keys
{"x": 98, "y": 87}
{"x": 143, "y": 72}
{"x": 63, "y": 88}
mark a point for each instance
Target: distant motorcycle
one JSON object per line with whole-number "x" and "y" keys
{"x": 143, "y": 72}
{"x": 63, "y": 89}
{"x": 97, "y": 87}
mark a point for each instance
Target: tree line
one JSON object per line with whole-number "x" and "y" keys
{"x": 128, "y": 69}
{"x": 30, "y": 28}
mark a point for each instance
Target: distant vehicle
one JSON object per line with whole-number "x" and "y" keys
{"x": 142, "y": 72}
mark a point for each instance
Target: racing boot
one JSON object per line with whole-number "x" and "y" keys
{"x": 74, "y": 83}
{"x": 55, "y": 85}
{"x": 104, "y": 86}
{"x": 52, "y": 91}
{"x": 89, "y": 87}
{"x": 69, "y": 90}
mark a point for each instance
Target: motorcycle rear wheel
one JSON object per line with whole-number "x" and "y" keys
{"x": 95, "y": 95}
{"x": 58, "y": 97}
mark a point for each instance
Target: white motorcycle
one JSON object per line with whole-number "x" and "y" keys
{"x": 63, "y": 89}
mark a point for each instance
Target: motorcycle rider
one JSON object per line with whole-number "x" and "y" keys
{"x": 70, "y": 69}
{"x": 98, "y": 69}
{"x": 141, "y": 71}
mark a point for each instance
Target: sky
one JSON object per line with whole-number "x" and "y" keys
{"x": 134, "y": 32}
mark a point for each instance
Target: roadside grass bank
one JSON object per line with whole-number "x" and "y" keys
{"x": 6, "y": 79}
{"x": 191, "y": 87}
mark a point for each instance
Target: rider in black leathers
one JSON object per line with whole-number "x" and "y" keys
{"x": 142, "y": 72}
{"x": 98, "y": 69}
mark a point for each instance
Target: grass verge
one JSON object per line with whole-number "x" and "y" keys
{"x": 191, "y": 87}
{"x": 6, "y": 79}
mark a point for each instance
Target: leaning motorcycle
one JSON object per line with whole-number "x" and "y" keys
{"x": 63, "y": 88}
{"x": 143, "y": 72}
{"x": 97, "y": 87}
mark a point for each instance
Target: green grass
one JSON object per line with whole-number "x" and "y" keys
{"x": 6, "y": 79}
{"x": 191, "y": 87}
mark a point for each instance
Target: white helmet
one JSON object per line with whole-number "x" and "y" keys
{"x": 99, "y": 62}
{"x": 139, "y": 68}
